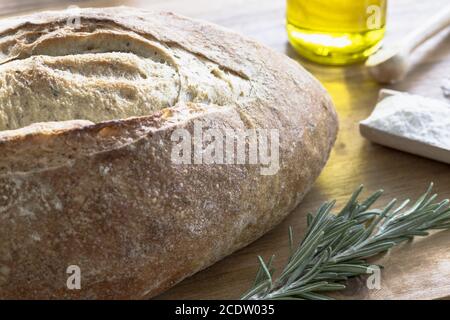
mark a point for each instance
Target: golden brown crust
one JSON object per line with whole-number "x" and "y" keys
{"x": 106, "y": 196}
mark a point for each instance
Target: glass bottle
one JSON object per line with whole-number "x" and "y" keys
{"x": 336, "y": 32}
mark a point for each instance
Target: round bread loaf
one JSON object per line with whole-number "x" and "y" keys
{"x": 90, "y": 103}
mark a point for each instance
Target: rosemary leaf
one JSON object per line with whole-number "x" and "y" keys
{"x": 335, "y": 246}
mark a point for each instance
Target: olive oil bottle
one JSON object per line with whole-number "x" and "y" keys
{"x": 336, "y": 32}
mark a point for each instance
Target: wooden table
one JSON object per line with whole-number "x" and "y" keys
{"x": 418, "y": 270}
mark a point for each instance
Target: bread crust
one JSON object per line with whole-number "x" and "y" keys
{"x": 106, "y": 196}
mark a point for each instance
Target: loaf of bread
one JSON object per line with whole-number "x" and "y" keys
{"x": 90, "y": 101}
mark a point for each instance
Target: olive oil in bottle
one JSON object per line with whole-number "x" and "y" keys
{"x": 336, "y": 32}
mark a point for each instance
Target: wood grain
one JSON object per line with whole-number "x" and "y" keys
{"x": 418, "y": 270}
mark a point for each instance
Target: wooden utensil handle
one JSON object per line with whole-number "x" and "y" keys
{"x": 436, "y": 24}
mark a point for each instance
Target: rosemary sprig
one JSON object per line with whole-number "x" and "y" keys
{"x": 336, "y": 246}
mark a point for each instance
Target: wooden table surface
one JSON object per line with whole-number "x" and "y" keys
{"x": 418, "y": 270}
